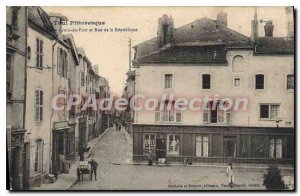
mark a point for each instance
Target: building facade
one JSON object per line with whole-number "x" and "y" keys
{"x": 41, "y": 64}
{"x": 16, "y": 48}
{"x": 206, "y": 58}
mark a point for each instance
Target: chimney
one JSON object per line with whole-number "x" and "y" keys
{"x": 290, "y": 22}
{"x": 254, "y": 26}
{"x": 222, "y": 18}
{"x": 165, "y": 30}
{"x": 58, "y": 20}
{"x": 269, "y": 27}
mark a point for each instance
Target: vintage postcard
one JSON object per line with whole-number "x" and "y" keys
{"x": 150, "y": 98}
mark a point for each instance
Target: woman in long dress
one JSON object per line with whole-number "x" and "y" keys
{"x": 230, "y": 172}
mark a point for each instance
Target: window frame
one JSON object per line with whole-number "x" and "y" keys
{"x": 287, "y": 82}
{"x": 202, "y": 81}
{"x": 201, "y": 141}
{"x": 264, "y": 81}
{"x": 233, "y": 82}
{"x": 269, "y": 111}
{"x": 39, "y": 153}
{"x": 39, "y": 106}
{"x": 39, "y": 53}
{"x": 273, "y": 152}
{"x": 168, "y": 144}
{"x": 170, "y": 82}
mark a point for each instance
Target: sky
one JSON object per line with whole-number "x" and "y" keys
{"x": 110, "y": 50}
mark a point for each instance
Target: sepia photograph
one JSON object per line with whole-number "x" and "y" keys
{"x": 112, "y": 98}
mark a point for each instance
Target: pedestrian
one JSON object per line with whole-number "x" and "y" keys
{"x": 230, "y": 172}
{"x": 94, "y": 166}
{"x": 150, "y": 157}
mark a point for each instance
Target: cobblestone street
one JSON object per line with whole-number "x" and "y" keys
{"x": 111, "y": 153}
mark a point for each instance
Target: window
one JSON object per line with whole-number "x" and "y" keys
{"x": 39, "y": 53}
{"x": 39, "y": 105}
{"x": 238, "y": 64}
{"x": 290, "y": 82}
{"x": 173, "y": 144}
{"x": 168, "y": 81}
{"x": 62, "y": 61}
{"x": 259, "y": 81}
{"x": 236, "y": 82}
{"x": 38, "y": 163}
{"x": 202, "y": 146}
{"x": 149, "y": 143}
{"x": 178, "y": 116}
{"x": 269, "y": 111}
{"x": 275, "y": 149}
{"x": 167, "y": 115}
{"x": 216, "y": 115}
{"x": 205, "y": 81}
{"x": 8, "y": 76}
{"x": 14, "y": 16}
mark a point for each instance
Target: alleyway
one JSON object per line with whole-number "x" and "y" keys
{"x": 111, "y": 153}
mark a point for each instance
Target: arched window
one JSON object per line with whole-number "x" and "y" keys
{"x": 238, "y": 64}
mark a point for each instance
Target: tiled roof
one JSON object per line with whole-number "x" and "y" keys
{"x": 188, "y": 54}
{"x": 274, "y": 45}
{"x": 202, "y": 33}
{"x": 41, "y": 19}
{"x": 191, "y": 43}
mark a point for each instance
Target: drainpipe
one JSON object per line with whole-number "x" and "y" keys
{"x": 26, "y": 57}
{"x": 50, "y": 144}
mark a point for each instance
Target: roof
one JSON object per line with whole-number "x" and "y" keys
{"x": 70, "y": 40}
{"x": 202, "y": 32}
{"x": 274, "y": 45}
{"x": 197, "y": 41}
{"x": 188, "y": 54}
{"x": 38, "y": 17}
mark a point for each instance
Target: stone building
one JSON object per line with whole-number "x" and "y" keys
{"x": 203, "y": 58}
{"x": 16, "y": 45}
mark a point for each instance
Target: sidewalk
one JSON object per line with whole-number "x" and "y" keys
{"x": 129, "y": 147}
{"x": 65, "y": 181}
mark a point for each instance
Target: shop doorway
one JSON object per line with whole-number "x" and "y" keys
{"x": 161, "y": 147}
{"x": 57, "y": 149}
{"x": 230, "y": 146}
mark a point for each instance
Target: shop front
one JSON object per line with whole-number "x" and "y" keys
{"x": 60, "y": 145}
{"x": 214, "y": 144}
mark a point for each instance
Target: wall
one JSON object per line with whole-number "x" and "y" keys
{"x": 187, "y": 83}
{"x": 39, "y": 79}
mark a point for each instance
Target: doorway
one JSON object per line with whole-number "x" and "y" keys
{"x": 26, "y": 165}
{"x": 161, "y": 147}
{"x": 230, "y": 146}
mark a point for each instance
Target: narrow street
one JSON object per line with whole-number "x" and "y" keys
{"x": 114, "y": 174}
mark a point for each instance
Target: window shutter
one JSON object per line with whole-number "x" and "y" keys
{"x": 41, "y": 53}
{"x": 58, "y": 61}
{"x": 178, "y": 117}
{"x": 157, "y": 116}
{"x": 206, "y": 116}
{"x": 37, "y": 53}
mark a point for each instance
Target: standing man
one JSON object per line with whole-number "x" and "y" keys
{"x": 94, "y": 166}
